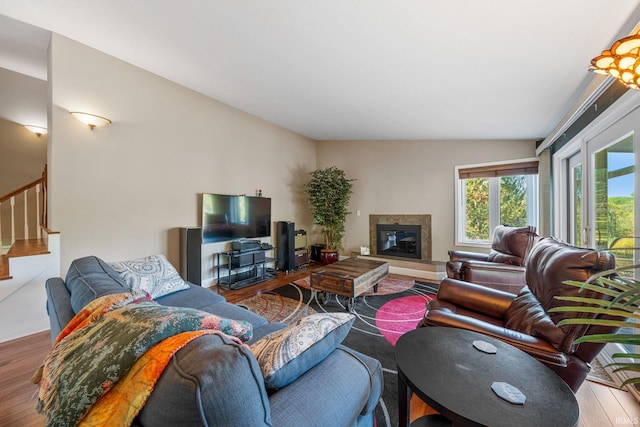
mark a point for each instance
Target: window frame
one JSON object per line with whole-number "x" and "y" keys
{"x": 533, "y": 202}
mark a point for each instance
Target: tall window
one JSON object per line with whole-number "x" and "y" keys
{"x": 493, "y": 194}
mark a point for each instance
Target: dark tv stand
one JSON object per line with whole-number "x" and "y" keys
{"x": 237, "y": 270}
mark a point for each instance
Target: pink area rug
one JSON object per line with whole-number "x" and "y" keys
{"x": 400, "y": 315}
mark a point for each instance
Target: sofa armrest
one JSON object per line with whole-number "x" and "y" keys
{"x": 211, "y": 381}
{"x": 465, "y": 255}
{"x": 493, "y": 274}
{"x": 478, "y": 298}
{"x": 58, "y": 306}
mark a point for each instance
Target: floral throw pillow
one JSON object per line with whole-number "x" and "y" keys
{"x": 153, "y": 274}
{"x": 286, "y": 354}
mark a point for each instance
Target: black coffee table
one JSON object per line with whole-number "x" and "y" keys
{"x": 441, "y": 366}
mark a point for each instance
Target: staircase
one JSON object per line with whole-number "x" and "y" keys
{"x": 30, "y": 255}
{"x": 22, "y": 248}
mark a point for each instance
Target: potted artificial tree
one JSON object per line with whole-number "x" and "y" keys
{"x": 329, "y": 192}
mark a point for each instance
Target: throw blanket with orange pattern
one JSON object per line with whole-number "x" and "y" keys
{"x": 105, "y": 363}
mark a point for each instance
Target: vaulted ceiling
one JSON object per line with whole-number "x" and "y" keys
{"x": 348, "y": 69}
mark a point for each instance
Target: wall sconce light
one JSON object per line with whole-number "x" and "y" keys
{"x": 38, "y": 130}
{"x": 621, "y": 61}
{"x": 90, "y": 119}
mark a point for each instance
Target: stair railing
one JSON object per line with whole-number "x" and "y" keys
{"x": 39, "y": 189}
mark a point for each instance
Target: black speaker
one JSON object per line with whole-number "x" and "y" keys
{"x": 286, "y": 253}
{"x": 191, "y": 255}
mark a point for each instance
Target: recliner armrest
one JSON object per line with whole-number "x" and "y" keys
{"x": 465, "y": 255}
{"x": 478, "y": 298}
{"x": 454, "y": 265}
{"x": 534, "y": 346}
{"x": 493, "y": 266}
{"x": 493, "y": 274}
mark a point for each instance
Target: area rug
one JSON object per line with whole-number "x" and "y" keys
{"x": 381, "y": 318}
{"x": 278, "y": 308}
{"x": 600, "y": 375}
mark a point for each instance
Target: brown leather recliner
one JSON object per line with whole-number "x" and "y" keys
{"x": 524, "y": 320}
{"x": 503, "y": 267}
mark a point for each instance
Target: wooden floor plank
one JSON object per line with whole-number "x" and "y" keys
{"x": 612, "y": 406}
{"x": 21, "y": 248}
{"x": 19, "y": 359}
{"x": 592, "y": 412}
{"x": 628, "y": 401}
{"x": 612, "y": 399}
{"x": 28, "y": 247}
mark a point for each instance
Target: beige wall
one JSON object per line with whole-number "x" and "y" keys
{"x": 410, "y": 177}
{"x": 120, "y": 191}
{"x": 22, "y": 158}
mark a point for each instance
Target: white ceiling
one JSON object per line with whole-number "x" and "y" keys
{"x": 358, "y": 69}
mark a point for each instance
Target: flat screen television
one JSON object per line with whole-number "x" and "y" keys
{"x": 227, "y": 217}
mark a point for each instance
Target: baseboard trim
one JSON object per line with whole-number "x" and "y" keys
{"x": 430, "y": 270}
{"x": 429, "y": 275}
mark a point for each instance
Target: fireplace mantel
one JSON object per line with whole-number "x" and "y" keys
{"x": 423, "y": 220}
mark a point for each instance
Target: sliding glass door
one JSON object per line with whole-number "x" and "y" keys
{"x": 596, "y": 202}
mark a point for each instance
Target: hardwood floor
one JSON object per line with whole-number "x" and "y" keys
{"x": 606, "y": 406}
{"x": 19, "y": 359}
{"x": 600, "y": 406}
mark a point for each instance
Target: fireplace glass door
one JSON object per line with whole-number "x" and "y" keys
{"x": 399, "y": 240}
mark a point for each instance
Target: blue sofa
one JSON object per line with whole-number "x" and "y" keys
{"x": 214, "y": 382}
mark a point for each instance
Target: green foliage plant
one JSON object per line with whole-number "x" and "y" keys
{"x": 513, "y": 200}
{"x": 329, "y": 192}
{"x": 477, "y": 221}
{"x": 513, "y": 204}
{"x": 621, "y": 309}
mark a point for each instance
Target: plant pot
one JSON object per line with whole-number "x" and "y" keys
{"x": 328, "y": 256}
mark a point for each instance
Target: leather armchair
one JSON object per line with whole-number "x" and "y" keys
{"x": 524, "y": 320}
{"x": 503, "y": 267}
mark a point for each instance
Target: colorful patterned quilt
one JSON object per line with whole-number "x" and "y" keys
{"x": 105, "y": 363}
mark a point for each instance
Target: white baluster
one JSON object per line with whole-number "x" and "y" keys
{"x": 13, "y": 220}
{"x": 26, "y": 216}
{"x": 38, "y": 222}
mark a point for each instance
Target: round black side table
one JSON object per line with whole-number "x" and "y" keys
{"x": 444, "y": 369}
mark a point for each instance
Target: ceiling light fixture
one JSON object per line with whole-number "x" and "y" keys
{"x": 621, "y": 61}
{"x": 90, "y": 119}
{"x": 38, "y": 130}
